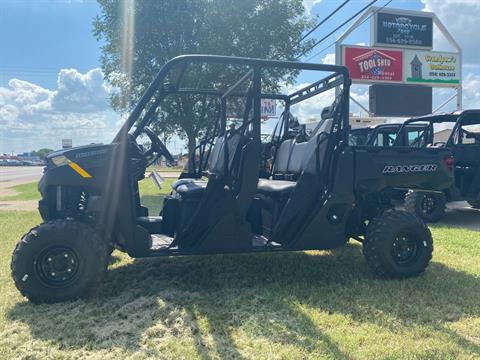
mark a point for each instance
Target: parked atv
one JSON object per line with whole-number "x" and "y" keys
{"x": 321, "y": 193}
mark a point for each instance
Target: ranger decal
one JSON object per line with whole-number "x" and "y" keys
{"x": 394, "y": 169}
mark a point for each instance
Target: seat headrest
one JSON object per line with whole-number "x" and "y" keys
{"x": 327, "y": 112}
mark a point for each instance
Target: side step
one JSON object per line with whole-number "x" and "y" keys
{"x": 260, "y": 241}
{"x": 160, "y": 242}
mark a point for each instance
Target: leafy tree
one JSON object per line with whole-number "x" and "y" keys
{"x": 42, "y": 153}
{"x": 160, "y": 30}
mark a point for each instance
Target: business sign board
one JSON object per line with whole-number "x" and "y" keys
{"x": 432, "y": 68}
{"x": 400, "y": 100}
{"x": 268, "y": 108}
{"x": 373, "y": 65}
{"x": 402, "y": 30}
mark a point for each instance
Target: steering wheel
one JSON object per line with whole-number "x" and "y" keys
{"x": 157, "y": 146}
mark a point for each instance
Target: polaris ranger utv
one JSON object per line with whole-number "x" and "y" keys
{"x": 464, "y": 142}
{"x": 386, "y": 135}
{"x": 90, "y": 196}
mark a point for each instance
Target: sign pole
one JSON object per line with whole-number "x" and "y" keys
{"x": 459, "y": 88}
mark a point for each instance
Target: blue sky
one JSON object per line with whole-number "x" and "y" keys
{"x": 51, "y": 86}
{"x": 38, "y": 38}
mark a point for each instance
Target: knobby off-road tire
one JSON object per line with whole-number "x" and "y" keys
{"x": 429, "y": 206}
{"x": 474, "y": 203}
{"x": 59, "y": 260}
{"x": 398, "y": 244}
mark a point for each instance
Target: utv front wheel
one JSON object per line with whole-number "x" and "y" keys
{"x": 397, "y": 245}
{"x": 429, "y": 206}
{"x": 58, "y": 261}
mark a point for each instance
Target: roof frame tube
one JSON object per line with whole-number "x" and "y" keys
{"x": 238, "y": 83}
{"x": 149, "y": 114}
{"x": 316, "y": 88}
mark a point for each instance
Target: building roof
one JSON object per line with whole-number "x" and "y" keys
{"x": 416, "y": 61}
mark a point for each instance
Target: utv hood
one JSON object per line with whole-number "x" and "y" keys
{"x": 85, "y": 153}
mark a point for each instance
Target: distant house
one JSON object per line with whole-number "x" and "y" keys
{"x": 416, "y": 65}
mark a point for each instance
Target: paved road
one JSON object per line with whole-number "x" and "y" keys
{"x": 20, "y": 173}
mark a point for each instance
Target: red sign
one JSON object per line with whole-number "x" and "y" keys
{"x": 373, "y": 64}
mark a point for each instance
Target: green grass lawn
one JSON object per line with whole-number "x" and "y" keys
{"x": 27, "y": 191}
{"x": 265, "y": 306}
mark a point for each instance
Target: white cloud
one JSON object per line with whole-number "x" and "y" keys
{"x": 460, "y": 17}
{"x": 32, "y": 116}
{"x": 81, "y": 92}
{"x": 329, "y": 59}
{"x": 311, "y": 109}
{"x": 309, "y": 4}
{"x": 471, "y": 91}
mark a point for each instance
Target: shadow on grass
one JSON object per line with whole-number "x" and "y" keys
{"x": 209, "y": 299}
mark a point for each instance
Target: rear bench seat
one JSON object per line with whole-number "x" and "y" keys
{"x": 287, "y": 168}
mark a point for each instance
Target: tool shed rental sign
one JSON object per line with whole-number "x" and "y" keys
{"x": 370, "y": 64}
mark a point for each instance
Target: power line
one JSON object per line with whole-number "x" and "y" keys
{"x": 333, "y": 43}
{"x": 338, "y": 27}
{"x": 324, "y": 20}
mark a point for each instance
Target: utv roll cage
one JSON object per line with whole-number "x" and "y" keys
{"x": 459, "y": 118}
{"x": 248, "y": 86}
{"x": 394, "y": 134}
{"x": 159, "y": 90}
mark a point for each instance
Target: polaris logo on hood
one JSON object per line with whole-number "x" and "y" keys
{"x": 394, "y": 169}
{"x": 91, "y": 153}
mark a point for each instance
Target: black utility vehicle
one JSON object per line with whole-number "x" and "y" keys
{"x": 464, "y": 142}
{"x": 387, "y": 135}
{"x": 321, "y": 193}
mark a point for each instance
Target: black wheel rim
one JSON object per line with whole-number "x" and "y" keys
{"x": 58, "y": 266}
{"x": 428, "y": 204}
{"x": 405, "y": 249}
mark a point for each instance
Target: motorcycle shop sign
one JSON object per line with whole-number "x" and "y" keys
{"x": 432, "y": 68}
{"x": 373, "y": 65}
{"x": 403, "y": 30}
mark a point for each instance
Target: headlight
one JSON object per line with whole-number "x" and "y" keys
{"x": 60, "y": 160}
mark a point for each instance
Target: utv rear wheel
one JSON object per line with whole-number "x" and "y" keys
{"x": 429, "y": 206}
{"x": 58, "y": 261}
{"x": 398, "y": 245}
